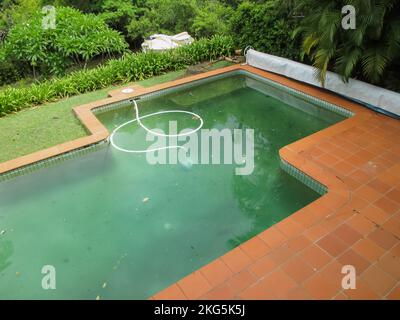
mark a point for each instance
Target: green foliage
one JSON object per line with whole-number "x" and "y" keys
{"x": 92, "y": 6}
{"x": 118, "y": 14}
{"x": 131, "y": 67}
{"x": 212, "y": 18}
{"x": 17, "y": 11}
{"x": 162, "y": 16}
{"x": 265, "y": 28}
{"x": 370, "y": 52}
{"x": 77, "y": 38}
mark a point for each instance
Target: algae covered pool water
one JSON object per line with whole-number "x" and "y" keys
{"x": 116, "y": 227}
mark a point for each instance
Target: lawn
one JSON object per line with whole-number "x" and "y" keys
{"x": 50, "y": 124}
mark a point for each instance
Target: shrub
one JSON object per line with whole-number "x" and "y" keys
{"x": 265, "y": 28}
{"x": 9, "y": 72}
{"x": 131, "y": 67}
{"x": 76, "y": 38}
{"x": 162, "y": 16}
{"x": 212, "y": 18}
{"x": 369, "y": 52}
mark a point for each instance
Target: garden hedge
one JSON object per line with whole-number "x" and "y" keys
{"x": 131, "y": 67}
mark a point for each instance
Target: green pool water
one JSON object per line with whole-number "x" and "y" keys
{"x": 86, "y": 216}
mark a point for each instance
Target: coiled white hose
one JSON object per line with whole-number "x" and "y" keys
{"x": 138, "y": 119}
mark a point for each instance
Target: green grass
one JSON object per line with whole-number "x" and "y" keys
{"x": 44, "y": 126}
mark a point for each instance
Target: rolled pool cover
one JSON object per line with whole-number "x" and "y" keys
{"x": 373, "y": 97}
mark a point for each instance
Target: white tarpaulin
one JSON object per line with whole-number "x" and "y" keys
{"x": 162, "y": 42}
{"x": 355, "y": 89}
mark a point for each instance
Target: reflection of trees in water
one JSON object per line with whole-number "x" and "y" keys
{"x": 253, "y": 194}
{"x": 6, "y": 251}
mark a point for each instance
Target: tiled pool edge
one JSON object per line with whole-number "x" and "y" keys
{"x": 303, "y": 178}
{"x": 30, "y": 168}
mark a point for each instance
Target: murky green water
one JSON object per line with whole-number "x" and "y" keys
{"x": 87, "y": 218}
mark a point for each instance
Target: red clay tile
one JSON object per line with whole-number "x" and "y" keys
{"x": 241, "y": 281}
{"x": 263, "y": 266}
{"x": 328, "y": 159}
{"x": 315, "y": 257}
{"x": 368, "y": 250}
{"x": 361, "y": 292}
{"x": 368, "y": 193}
{"x": 341, "y": 154}
{"x": 316, "y": 152}
{"x": 383, "y": 238}
{"x": 298, "y": 243}
{"x": 316, "y": 232}
{"x": 350, "y": 257}
{"x": 273, "y": 237}
{"x": 171, "y": 293}
{"x": 325, "y": 146}
{"x": 318, "y": 287}
{"x": 297, "y": 293}
{"x": 375, "y": 215}
{"x": 347, "y": 234}
{"x": 236, "y": 260}
{"x": 255, "y": 248}
{"x": 289, "y": 227}
{"x": 305, "y": 218}
{"x": 332, "y": 272}
{"x": 332, "y": 244}
{"x": 345, "y": 213}
{"x": 379, "y": 185}
{"x": 331, "y": 223}
{"x": 298, "y": 269}
{"x": 257, "y": 292}
{"x": 361, "y": 224}
{"x": 387, "y": 205}
{"x": 392, "y": 226}
{"x": 394, "y": 294}
{"x": 344, "y": 167}
{"x": 221, "y": 292}
{"x": 388, "y": 178}
{"x": 391, "y": 264}
{"x": 340, "y": 296}
{"x": 396, "y": 250}
{"x": 378, "y": 280}
{"x": 360, "y": 176}
{"x": 394, "y": 195}
{"x": 281, "y": 254}
{"x": 279, "y": 283}
{"x": 194, "y": 285}
{"x": 358, "y": 203}
{"x": 216, "y": 272}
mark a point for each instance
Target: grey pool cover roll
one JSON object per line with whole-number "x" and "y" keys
{"x": 380, "y": 99}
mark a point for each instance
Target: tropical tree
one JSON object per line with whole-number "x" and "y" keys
{"x": 369, "y": 51}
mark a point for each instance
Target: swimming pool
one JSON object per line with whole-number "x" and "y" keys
{"x": 116, "y": 227}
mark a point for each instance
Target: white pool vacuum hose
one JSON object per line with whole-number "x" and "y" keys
{"x": 138, "y": 119}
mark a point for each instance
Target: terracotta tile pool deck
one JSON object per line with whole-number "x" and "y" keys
{"x": 357, "y": 222}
